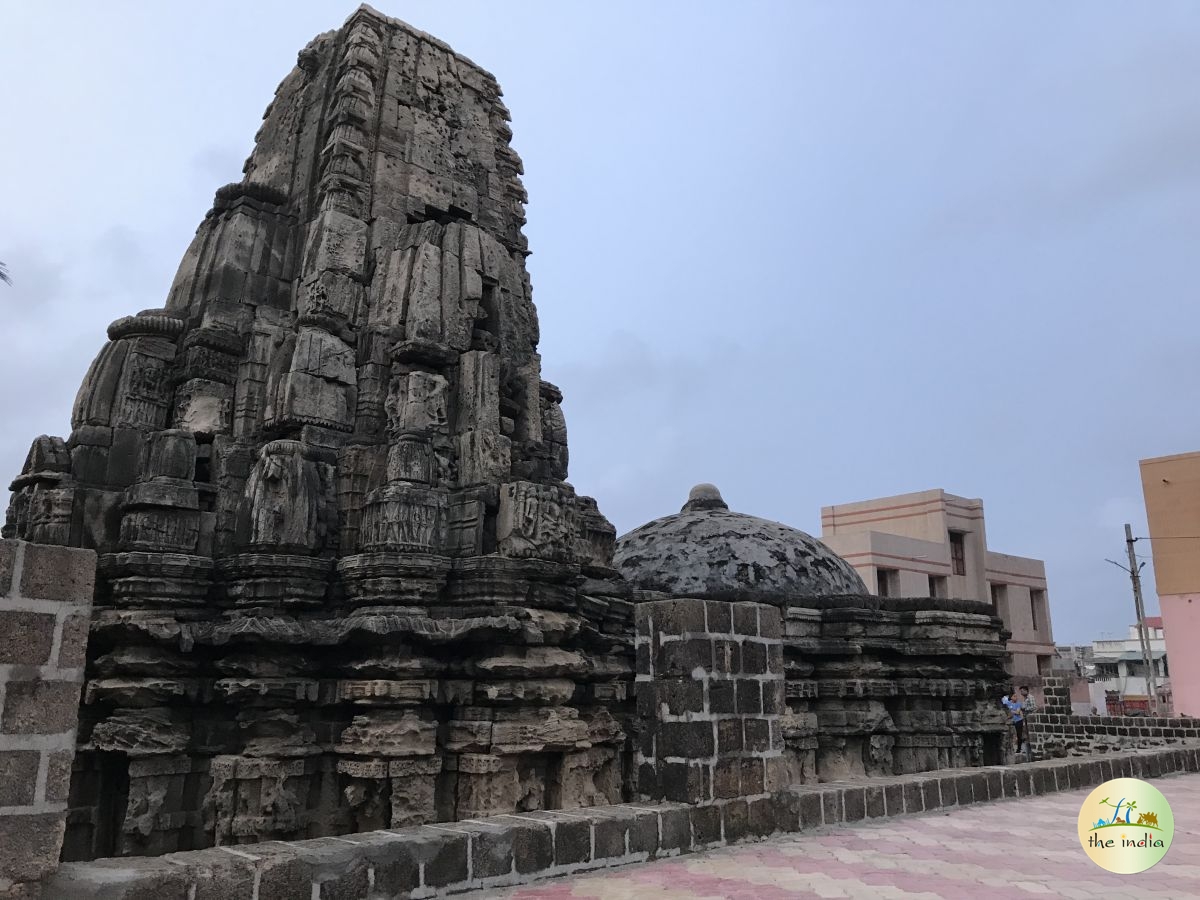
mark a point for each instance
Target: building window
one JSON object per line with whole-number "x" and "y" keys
{"x": 888, "y": 581}
{"x": 1000, "y": 598}
{"x": 958, "y": 552}
{"x": 937, "y": 586}
{"x": 1036, "y": 600}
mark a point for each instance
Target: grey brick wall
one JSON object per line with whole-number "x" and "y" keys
{"x": 1056, "y": 731}
{"x": 710, "y": 692}
{"x": 45, "y": 607}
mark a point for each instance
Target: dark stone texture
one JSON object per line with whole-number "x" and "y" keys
{"x": 572, "y": 842}
{"x": 609, "y": 833}
{"x": 492, "y": 850}
{"x": 706, "y": 825}
{"x": 40, "y": 707}
{"x": 931, "y": 794}
{"x": 18, "y": 776}
{"x": 812, "y": 809}
{"x": 58, "y": 573}
{"x": 735, "y": 818}
{"x": 26, "y": 638}
{"x": 854, "y": 804}
{"x": 831, "y": 806}
{"x": 676, "y": 829}
{"x": 875, "y": 804}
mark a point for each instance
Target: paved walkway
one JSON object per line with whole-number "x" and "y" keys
{"x": 1011, "y": 848}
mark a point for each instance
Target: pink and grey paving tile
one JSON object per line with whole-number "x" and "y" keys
{"x": 1014, "y": 848}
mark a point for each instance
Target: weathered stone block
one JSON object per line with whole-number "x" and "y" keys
{"x": 735, "y": 820}
{"x": 675, "y": 829}
{"x": 727, "y": 778}
{"x": 18, "y": 777}
{"x": 491, "y": 850}
{"x": 754, "y": 658}
{"x": 609, "y": 832}
{"x": 831, "y": 806}
{"x": 722, "y": 697}
{"x": 572, "y": 842}
{"x": 720, "y": 617}
{"x": 31, "y": 844}
{"x": 8, "y": 559}
{"x": 40, "y": 707}
{"x": 58, "y": 573}
{"x": 876, "y": 806}
{"x": 727, "y": 657}
{"x": 811, "y": 809}
{"x": 681, "y": 696}
{"x": 683, "y": 657}
{"x": 678, "y": 616}
{"x": 128, "y": 879}
{"x": 73, "y": 647}
{"x": 764, "y": 817}
{"x": 1043, "y": 781}
{"x": 643, "y": 832}
{"x": 893, "y": 799}
{"x": 756, "y": 734}
{"x": 444, "y": 853}
{"x": 854, "y": 804}
{"x": 26, "y": 638}
{"x": 692, "y": 740}
{"x": 533, "y": 847}
{"x": 706, "y": 825}
{"x": 914, "y": 796}
{"x": 749, "y": 697}
{"x": 745, "y": 619}
{"x": 683, "y": 782}
{"x": 931, "y": 794}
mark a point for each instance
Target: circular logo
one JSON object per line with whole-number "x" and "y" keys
{"x": 1126, "y": 826}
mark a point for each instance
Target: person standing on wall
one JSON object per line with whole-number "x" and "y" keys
{"x": 1013, "y": 705}
{"x": 1028, "y": 708}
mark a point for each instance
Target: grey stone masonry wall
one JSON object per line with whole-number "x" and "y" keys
{"x": 45, "y": 609}
{"x": 710, "y": 691}
{"x": 435, "y": 860}
{"x": 1056, "y": 731}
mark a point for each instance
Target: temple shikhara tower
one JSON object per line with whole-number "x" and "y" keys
{"x": 341, "y": 575}
{"x": 342, "y": 583}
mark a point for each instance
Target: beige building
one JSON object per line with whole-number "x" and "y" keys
{"x": 1171, "y": 486}
{"x": 934, "y": 544}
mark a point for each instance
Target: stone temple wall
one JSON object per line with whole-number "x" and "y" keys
{"x": 880, "y": 686}
{"x": 342, "y": 580}
{"x": 45, "y": 602}
{"x": 1055, "y": 730}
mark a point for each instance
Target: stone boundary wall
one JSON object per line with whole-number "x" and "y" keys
{"x": 1056, "y": 731}
{"x": 435, "y": 860}
{"x": 45, "y": 611}
{"x": 710, "y": 693}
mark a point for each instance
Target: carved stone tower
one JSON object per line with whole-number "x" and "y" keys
{"x": 343, "y": 583}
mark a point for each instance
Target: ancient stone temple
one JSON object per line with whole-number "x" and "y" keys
{"x": 343, "y": 583}
{"x": 874, "y": 685}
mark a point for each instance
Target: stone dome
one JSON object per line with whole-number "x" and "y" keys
{"x": 706, "y": 549}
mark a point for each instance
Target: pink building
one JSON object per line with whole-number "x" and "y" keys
{"x": 934, "y": 544}
{"x": 1171, "y": 486}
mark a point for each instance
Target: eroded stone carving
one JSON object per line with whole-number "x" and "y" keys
{"x": 327, "y": 487}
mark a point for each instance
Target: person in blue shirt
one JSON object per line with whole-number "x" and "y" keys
{"x": 1015, "y": 707}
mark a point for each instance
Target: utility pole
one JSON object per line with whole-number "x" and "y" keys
{"x": 1135, "y": 569}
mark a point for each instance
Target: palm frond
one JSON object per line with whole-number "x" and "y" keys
{"x": 4, "y": 276}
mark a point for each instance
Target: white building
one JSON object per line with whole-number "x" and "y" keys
{"x": 1120, "y": 669}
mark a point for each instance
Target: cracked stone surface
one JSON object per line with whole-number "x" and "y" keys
{"x": 707, "y": 549}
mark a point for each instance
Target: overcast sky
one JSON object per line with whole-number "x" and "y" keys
{"x": 811, "y": 252}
